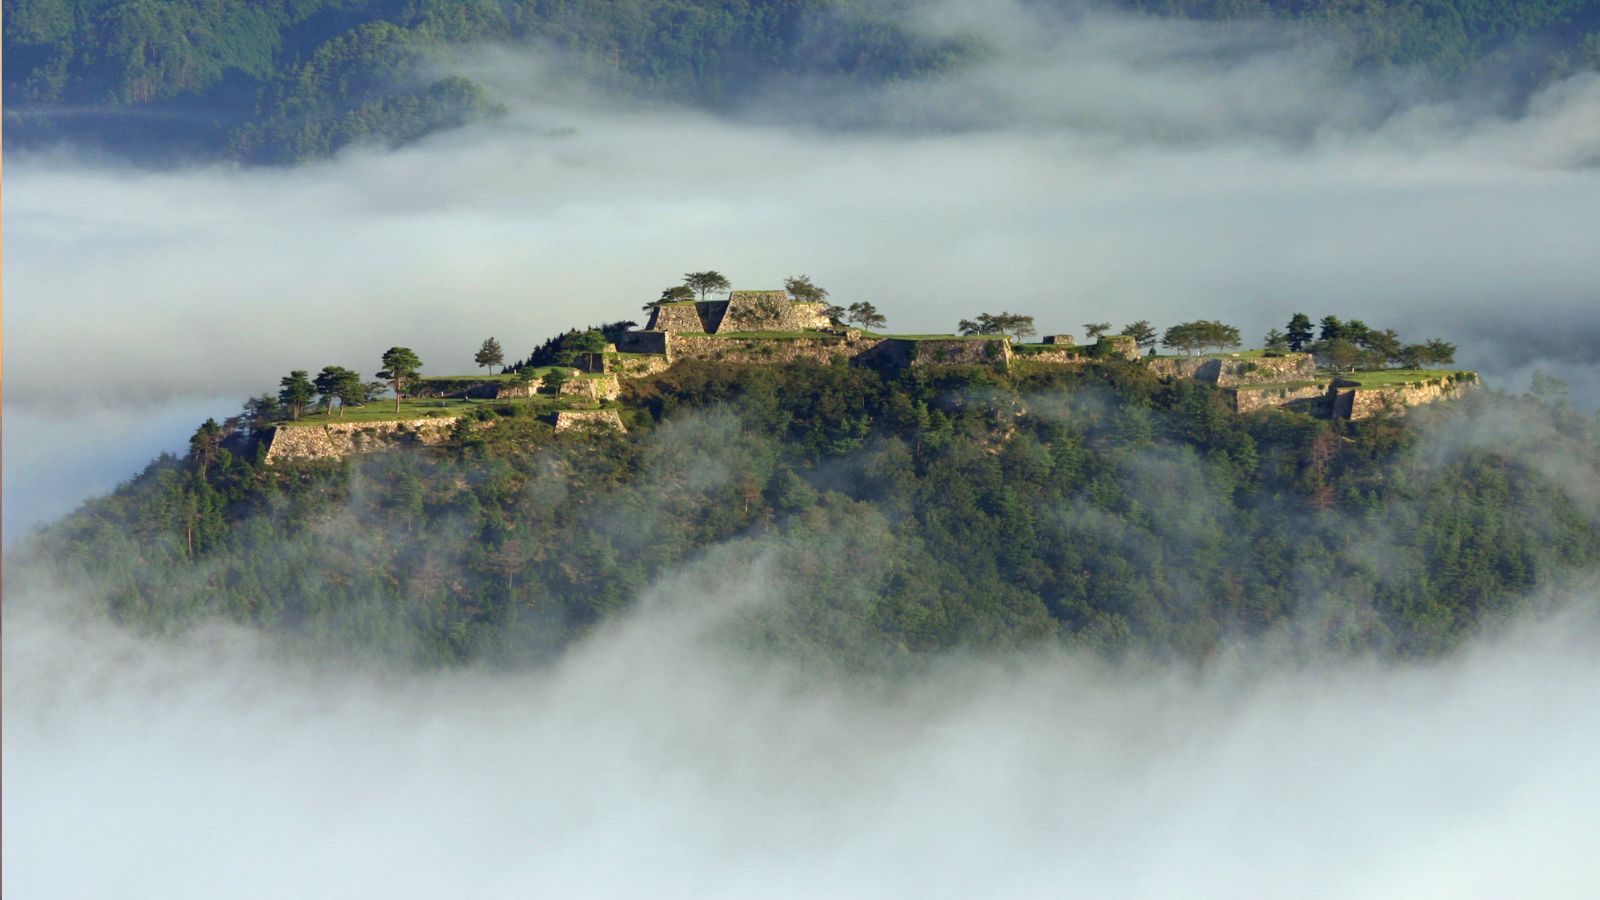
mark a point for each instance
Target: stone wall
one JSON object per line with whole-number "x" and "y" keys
{"x": 760, "y": 350}
{"x": 642, "y": 366}
{"x": 1118, "y": 345}
{"x": 1247, "y": 400}
{"x": 1229, "y": 372}
{"x": 643, "y": 341}
{"x": 340, "y": 439}
{"x": 1362, "y": 403}
{"x": 588, "y": 420}
{"x": 1064, "y": 339}
{"x": 958, "y": 352}
{"x": 770, "y": 311}
{"x": 674, "y": 317}
{"x": 603, "y": 387}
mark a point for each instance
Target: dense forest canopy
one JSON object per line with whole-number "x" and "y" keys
{"x": 287, "y": 80}
{"x": 886, "y": 517}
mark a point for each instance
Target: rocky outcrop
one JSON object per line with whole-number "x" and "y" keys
{"x": 339, "y": 439}
{"x": 588, "y": 420}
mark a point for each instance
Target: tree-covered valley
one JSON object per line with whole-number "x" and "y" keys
{"x": 891, "y": 516}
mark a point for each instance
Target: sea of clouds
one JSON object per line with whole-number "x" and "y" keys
{"x": 655, "y": 760}
{"x": 1090, "y": 168}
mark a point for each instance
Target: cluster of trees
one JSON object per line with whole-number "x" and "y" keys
{"x": 1355, "y": 345}
{"x": 1202, "y": 334}
{"x": 897, "y": 515}
{"x": 298, "y": 392}
{"x": 696, "y": 285}
{"x": 565, "y": 349}
{"x": 1016, "y": 325}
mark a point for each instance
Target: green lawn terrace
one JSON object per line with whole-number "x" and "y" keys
{"x": 1414, "y": 378}
{"x": 441, "y": 408}
{"x": 451, "y": 396}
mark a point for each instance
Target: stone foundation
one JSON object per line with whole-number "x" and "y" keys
{"x": 588, "y": 420}
{"x": 339, "y": 439}
{"x": 1363, "y": 403}
{"x": 1230, "y": 372}
{"x": 1248, "y": 401}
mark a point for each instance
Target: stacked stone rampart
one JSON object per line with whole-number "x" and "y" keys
{"x": 742, "y": 311}
{"x": 1119, "y": 345}
{"x": 1231, "y": 372}
{"x": 759, "y": 350}
{"x": 644, "y": 341}
{"x": 588, "y": 420}
{"x": 1363, "y": 403}
{"x": 770, "y": 311}
{"x": 958, "y": 352}
{"x": 640, "y": 366}
{"x": 595, "y": 389}
{"x": 339, "y": 439}
{"x": 675, "y": 317}
{"x": 1247, "y": 400}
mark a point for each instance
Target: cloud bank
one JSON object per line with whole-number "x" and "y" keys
{"x": 655, "y": 759}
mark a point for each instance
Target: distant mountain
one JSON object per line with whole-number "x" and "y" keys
{"x": 286, "y": 80}
{"x": 279, "y": 81}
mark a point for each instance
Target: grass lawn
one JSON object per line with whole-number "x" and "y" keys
{"x": 1394, "y": 377}
{"x": 384, "y": 411}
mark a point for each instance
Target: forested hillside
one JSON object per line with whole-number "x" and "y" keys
{"x": 286, "y": 80}
{"x": 279, "y": 81}
{"x": 884, "y": 517}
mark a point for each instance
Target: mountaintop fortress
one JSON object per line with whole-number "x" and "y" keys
{"x": 772, "y": 327}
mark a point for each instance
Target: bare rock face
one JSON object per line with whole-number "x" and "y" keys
{"x": 336, "y": 440}
{"x": 589, "y": 420}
